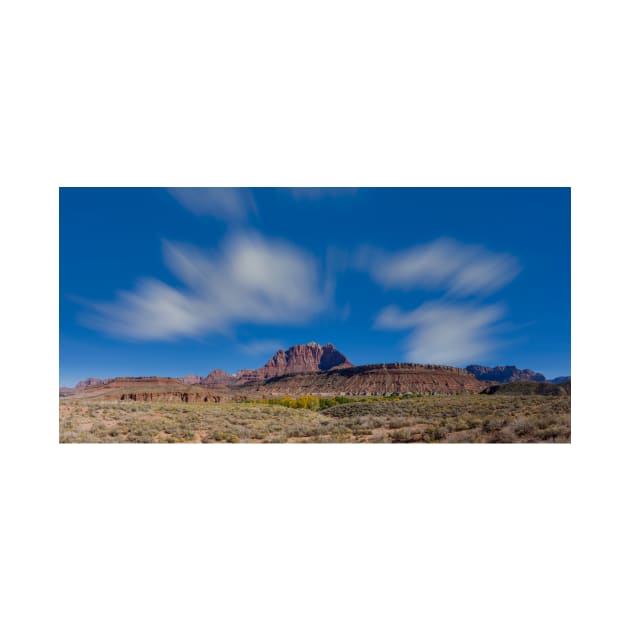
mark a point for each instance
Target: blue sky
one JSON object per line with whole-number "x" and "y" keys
{"x": 182, "y": 281}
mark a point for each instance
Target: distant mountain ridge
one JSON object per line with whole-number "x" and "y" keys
{"x": 504, "y": 374}
{"x": 511, "y": 374}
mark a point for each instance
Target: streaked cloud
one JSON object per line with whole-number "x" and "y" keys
{"x": 261, "y": 346}
{"x": 227, "y": 204}
{"x": 445, "y": 264}
{"x": 445, "y": 333}
{"x": 250, "y": 279}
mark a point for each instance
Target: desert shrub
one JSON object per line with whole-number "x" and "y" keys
{"x": 550, "y": 433}
{"x": 279, "y": 438}
{"x": 435, "y": 433}
{"x": 493, "y": 424}
{"x": 340, "y": 434}
{"x": 307, "y": 402}
{"x": 458, "y": 425}
{"x": 402, "y": 435}
{"x": 460, "y": 437}
{"x": 521, "y": 427}
{"x": 221, "y": 436}
{"x": 395, "y": 423}
{"x": 139, "y": 438}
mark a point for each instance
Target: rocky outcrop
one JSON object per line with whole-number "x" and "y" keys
{"x": 216, "y": 377}
{"x": 247, "y": 376}
{"x": 166, "y": 396}
{"x": 383, "y": 379}
{"x": 143, "y": 381}
{"x": 146, "y": 388}
{"x": 219, "y": 377}
{"x": 504, "y": 374}
{"x": 309, "y": 357}
{"x": 90, "y": 382}
{"x": 121, "y": 381}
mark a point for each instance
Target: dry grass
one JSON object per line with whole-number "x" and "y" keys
{"x": 462, "y": 418}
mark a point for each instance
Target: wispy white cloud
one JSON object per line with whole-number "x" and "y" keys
{"x": 344, "y": 313}
{"x": 261, "y": 346}
{"x": 445, "y": 333}
{"x": 251, "y": 279}
{"x": 444, "y": 264}
{"x": 228, "y": 204}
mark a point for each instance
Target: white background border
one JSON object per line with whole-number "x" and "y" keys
{"x": 332, "y": 93}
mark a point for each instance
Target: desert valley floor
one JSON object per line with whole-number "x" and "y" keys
{"x": 463, "y": 418}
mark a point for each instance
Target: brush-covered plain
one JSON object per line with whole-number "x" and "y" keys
{"x": 465, "y": 418}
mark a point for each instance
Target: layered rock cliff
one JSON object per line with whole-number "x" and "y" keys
{"x": 371, "y": 380}
{"x": 169, "y": 396}
{"x": 151, "y": 389}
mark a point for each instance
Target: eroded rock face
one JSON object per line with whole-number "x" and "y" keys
{"x": 152, "y": 389}
{"x": 384, "y": 379}
{"x": 143, "y": 381}
{"x": 309, "y": 357}
{"x": 192, "y": 379}
{"x": 122, "y": 381}
{"x": 219, "y": 377}
{"x": 504, "y": 374}
{"x": 216, "y": 377}
{"x": 171, "y": 396}
{"x": 90, "y": 382}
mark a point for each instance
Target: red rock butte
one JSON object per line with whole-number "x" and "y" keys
{"x": 309, "y": 357}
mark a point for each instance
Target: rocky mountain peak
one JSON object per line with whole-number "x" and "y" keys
{"x": 308, "y": 357}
